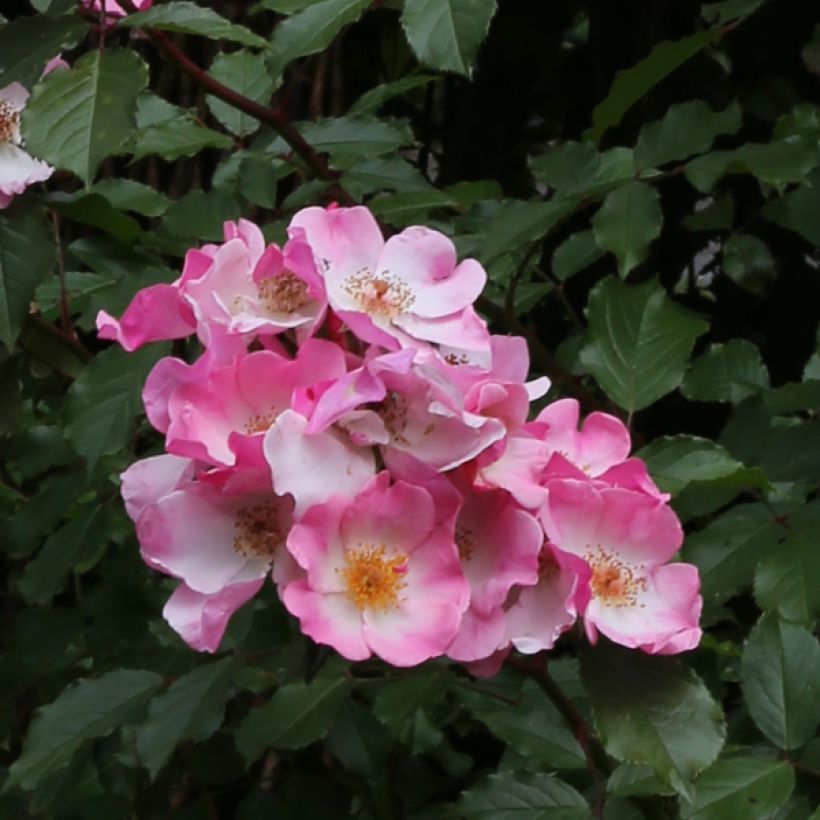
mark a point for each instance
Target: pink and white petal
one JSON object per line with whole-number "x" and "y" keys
{"x": 249, "y": 233}
{"x": 330, "y": 619}
{"x": 190, "y": 534}
{"x": 55, "y": 64}
{"x": 343, "y": 240}
{"x": 464, "y": 330}
{"x": 561, "y": 434}
{"x": 545, "y": 610}
{"x": 571, "y": 516}
{"x": 633, "y": 475}
{"x": 499, "y": 545}
{"x": 401, "y": 516}
{"x": 312, "y": 468}
{"x": 480, "y": 635}
{"x": 5, "y": 200}
{"x": 346, "y": 393}
{"x": 639, "y": 528}
{"x": 156, "y": 313}
{"x": 149, "y": 479}
{"x": 363, "y": 327}
{"x": 15, "y": 94}
{"x": 200, "y": 620}
{"x": 18, "y": 169}
{"x": 664, "y": 615}
{"x": 602, "y": 442}
{"x": 316, "y": 545}
{"x": 425, "y": 260}
{"x": 518, "y": 470}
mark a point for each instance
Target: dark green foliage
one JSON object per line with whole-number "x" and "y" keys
{"x": 643, "y": 186}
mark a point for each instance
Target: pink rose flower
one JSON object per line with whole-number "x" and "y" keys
{"x": 402, "y": 292}
{"x": 382, "y": 577}
{"x": 626, "y": 538}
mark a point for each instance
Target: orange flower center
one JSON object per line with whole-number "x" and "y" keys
{"x": 257, "y": 531}
{"x": 260, "y": 422}
{"x": 9, "y": 122}
{"x": 282, "y": 294}
{"x": 464, "y": 542}
{"x": 383, "y": 295}
{"x": 614, "y": 583}
{"x": 374, "y": 579}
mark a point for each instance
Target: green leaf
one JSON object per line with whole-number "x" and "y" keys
{"x": 94, "y": 209}
{"x": 390, "y": 173}
{"x": 786, "y": 580}
{"x": 747, "y": 787}
{"x": 570, "y": 167}
{"x": 780, "y": 679}
{"x": 686, "y": 129}
{"x": 28, "y": 43}
{"x": 728, "y": 550}
{"x": 409, "y": 206}
{"x": 776, "y": 163}
{"x": 519, "y": 223}
{"x": 104, "y": 401}
{"x": 27, "y": 255}
{"x": 633, "y": 83}
{"x": 397, "y": 704}
{"x": 180, "y": 138}
{"x": 313, "y": 29}
{"x": 446, "y": 34}
{"x": 793, "y": 397}
{"x": 627, "y": 222}
{"x": 247, "y": 74}
{"x": 75, "y": 547}
{"x": 575, "y": 254}
{"x": 793, "y": 453}
{"x": 371, "y": 101}
{"x": 201, "y": 215}
{"x": 730, "y": 372}
{"x": 297, "y": 714}
{"x": 189, "y": 18}
{"x": 87, "y": 710}
{"x": 77, "y": 117}
{"x": 533, "y": 727}
{"x": 357, "y": 136}
{"x": 638, "y": 342}
{"x": 677, "y": 461}
{"x": 130, "y": 195}
{"x": 653, "y": 710}
{"x": 190, "y": 709}
{"x": 516, "y": 796}
{"x": 796, "y": 210}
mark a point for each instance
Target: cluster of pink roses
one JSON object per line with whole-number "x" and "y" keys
{"x": 354, "y": 430}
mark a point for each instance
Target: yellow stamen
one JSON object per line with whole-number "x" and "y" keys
{"x": 373, "y": 579}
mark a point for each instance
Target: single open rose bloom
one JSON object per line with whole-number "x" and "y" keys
{"x": 402, "y": 292}
{"x": 382, "y": 576}
{"x": 18, "y": 169}
{"x": 626, "y": 538}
